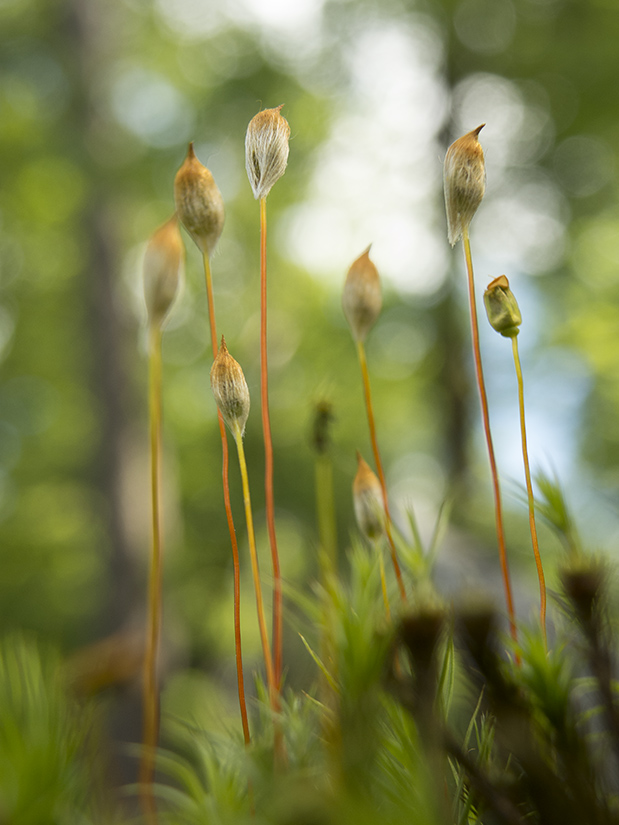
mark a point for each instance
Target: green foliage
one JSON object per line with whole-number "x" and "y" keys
{"x": 553, "y": 507}
{"x": 46, "y": 777}
{"x": 383, "y": 738}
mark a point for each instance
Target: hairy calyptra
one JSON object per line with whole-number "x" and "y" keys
{"x": 266, "y": 150}
{"x": 368, "y": 501}
{"x": 361, "y": 297}
{"x": 163, "y": 269}
{"x": 230, "y": 389}
{"x": 199, "y": 205}
{"x": 464, "y": 180}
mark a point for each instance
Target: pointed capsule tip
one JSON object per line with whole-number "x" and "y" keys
{"x": 501, "y": 281}
{"x": 365, "y": 256}
{"x": 362, "y": 466}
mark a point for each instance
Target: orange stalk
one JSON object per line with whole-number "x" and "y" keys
{"x": 230, "y": 520}
{"x": 150, "y": 712}
{"x": 530, "y": 497}
{"x": 268, "y": 451}
{"x": 266, "y": 649}
{"x": 486, "y": 422}
{"x": 379, "y": 465}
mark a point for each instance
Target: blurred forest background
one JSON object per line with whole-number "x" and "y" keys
{"x": 98, "y": 101}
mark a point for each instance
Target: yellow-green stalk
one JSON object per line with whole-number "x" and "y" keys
{"x": 232, "y": 398}
{"x": 327, "y": 561}
{"x": 504, "y": 316}
{"x": 200, "y": 208}
{"x": 163, "y": 262}
{"x": 327, "y": 530}
{"x": 371, "y": 515}
{"x": 362, "y": 302}
{"x": 464, "y": 178}
{"x": 266, "y": 157}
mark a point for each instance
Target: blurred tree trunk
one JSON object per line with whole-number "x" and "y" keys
{"x": 455, "y": 387}
{"x": 105, "y": 327}
{"x": 107, "y": 358}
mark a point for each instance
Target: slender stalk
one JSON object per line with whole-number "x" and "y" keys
{"x": 486, "y": 421}
{"x": 531, "y": 499}
{"x": 327, "y": 559}
{"x": 266, "y": 649}
{"x": 326, "y": 517}
{"x": 150, "y": 682}
{"x": 230, "y": 520}
{"x": 379, "y": 465}
{"x": 268, "y": 450}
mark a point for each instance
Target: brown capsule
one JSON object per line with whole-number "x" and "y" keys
{"x": 322, "y": 423}
{"x": 163, "y": 268}
{"x": 420, "y": 632}
{"x": 584, "y": 584}
{"x": 230, "y": 390}
{"x": 464, "y": 180}
{"x": 199, "y": 205}
{"x": 266, "y": 150}
{"x": 361, "y": 297}
{"x": 368, "y": 501}
{"x": 502, "y": 308}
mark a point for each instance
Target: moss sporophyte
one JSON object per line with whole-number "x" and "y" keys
{"x": 266, "y": 150}
{"x": 362, "y": 303}
{"x": 162, "y": 276}
{"x": 163, "y": 270}
{"x": 368, "y": 501}
{"x": 504, "y": 316}
{"x": 361, "y": 296}
{"x": 232, "y": 397}
{"x": 464, "y": 181}
{"x": 502, "y": 308}
{"x": 370, "y": 514}
{"x": 200, "y": 209}
{"x": 230, "y": 389}
{"x": 266, "y": 157}
{"x": 199, "y": 204}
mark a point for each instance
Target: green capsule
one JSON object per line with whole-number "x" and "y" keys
{"x": 502, "y": 308}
